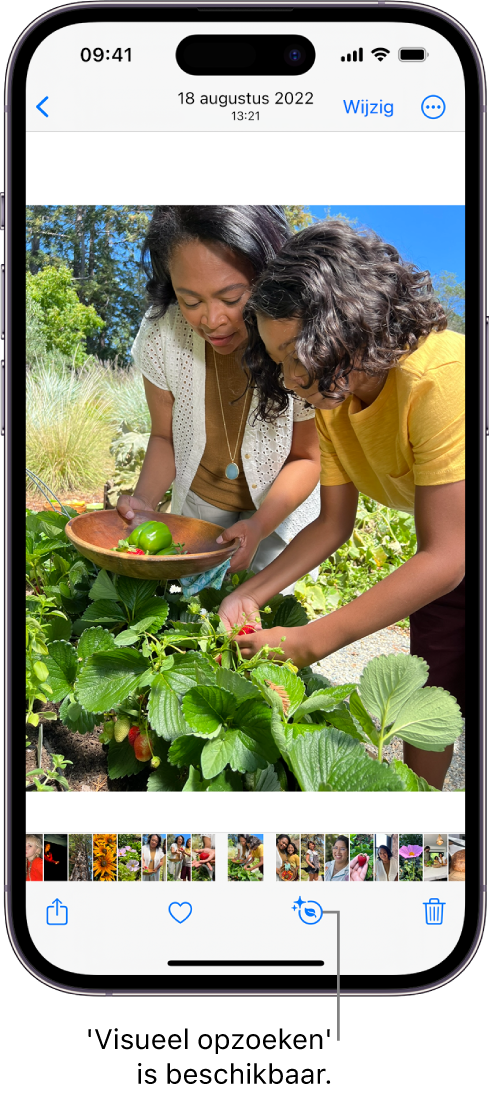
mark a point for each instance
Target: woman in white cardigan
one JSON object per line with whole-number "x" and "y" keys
{"x": 153, "y": 854}
{"x": 258, "y": 480}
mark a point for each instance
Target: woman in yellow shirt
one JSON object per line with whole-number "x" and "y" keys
{"x": 255, "y": 856}
{"x": 340, "y": 319}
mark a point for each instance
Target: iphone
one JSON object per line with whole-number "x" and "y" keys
{"x": 235, "y": 317}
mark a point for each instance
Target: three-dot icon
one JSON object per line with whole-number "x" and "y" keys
{"x": 433, "y": 106}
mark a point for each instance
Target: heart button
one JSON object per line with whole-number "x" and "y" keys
{"x": 180, "y": 911}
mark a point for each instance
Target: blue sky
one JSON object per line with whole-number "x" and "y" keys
{"x": 433, "y": 237}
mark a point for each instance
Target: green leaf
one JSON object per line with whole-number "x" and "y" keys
{"x": 429, "y": 720}
{"x": 122, "y": 761}
{"x": 324, "y": 700}
{"x": 108, "y": 677}
{"x": 76, "y": 718}
{"x": 62, "y": 665}
{"x": 267, "y": 781}
{"x": 151, "y": 615}
{"x": 254, "y": 718}
{"x": 127, "y": 638}
{"x": 244, "y": 757}
{"x": 195, "y": 782}
{"x": 290, "y": 614}
{"x": 178, "y": 641}
{"x": 239, "y": 686}
{"x": 313, "y": 681}
{"x": 207, "y": 708}
{"x": 359, "y": 712}
{"x": 329, "y": 760}
{"x": 285, "y": 679}
{"x": 165, "y": 778}
{"x": 185, "y": 751}
{"x": 57, "y": 627}
{"x": 344, "y": 721}
{"x": 183, "y": 674}
{"x": 94, "y": 639}
{"x": 135, "y": 592}
{"x": 103, "y": 588}
{"x": 216, "y": 754}
{"x": 412, "y": 782}
{"x": 279, "y": 732}
{"x": 41, "y": 671}
{"x": 164, "y": 712}
{"x": 388, "y": 681}
{"x": 226, "y": 782}
{"x": 104, "y": 612}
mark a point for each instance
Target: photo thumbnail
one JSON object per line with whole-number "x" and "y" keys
{"x": 80, "y": 857}
{"x": 456, "y": 849}
{"x": 386, "y": 857}
{"x": 129, "y": 857}
{"x": 361, "y": 857}
{"x": 245, "y": 857}
{"x": 288, "y": 857}
{"x": 34, "y": 850}
{"x": 312, "y": 857}
{"x": 105, "y": 857}
{"x": 411, "y": 857}
{"x": 55, "y": 857}
{"x": 435, "y": 857}
{"x": 336, "y": 858}
{"x": 198, "y": 379}
{"x": 153, "y": 856}
{"x": 179, "y": 858}
{"x": 203, "y": 857}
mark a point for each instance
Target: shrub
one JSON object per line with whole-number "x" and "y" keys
{"x": 69, "y": 428}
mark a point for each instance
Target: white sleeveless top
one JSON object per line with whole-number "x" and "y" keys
{"x": 172, "y": 356}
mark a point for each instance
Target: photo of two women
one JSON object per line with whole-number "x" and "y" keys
{"x": 303, "y": 367}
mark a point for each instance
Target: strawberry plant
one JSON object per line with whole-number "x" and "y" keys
{"x": 236, "y": 872}
{"x": 176, "y": 698}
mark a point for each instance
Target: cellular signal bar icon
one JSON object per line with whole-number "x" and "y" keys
{"x": 355, "y": 56}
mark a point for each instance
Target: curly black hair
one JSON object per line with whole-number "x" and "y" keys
{"x": 388, "y": 851}
{"x": 255, "y": 233}
{"x": 357, "y": 302}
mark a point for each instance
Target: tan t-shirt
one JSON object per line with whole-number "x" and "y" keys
{"x": 411, "y": 435}
{"x": 210, "y": 482}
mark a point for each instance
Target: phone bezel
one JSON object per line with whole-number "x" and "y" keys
{"x": 15, "y": 398}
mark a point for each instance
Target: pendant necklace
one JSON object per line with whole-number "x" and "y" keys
{"x": 231, "y": 470}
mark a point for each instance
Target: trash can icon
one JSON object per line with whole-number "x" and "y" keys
{"x": 433, "y": 911}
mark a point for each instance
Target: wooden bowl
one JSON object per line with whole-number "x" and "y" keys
{"x": 95, "y": 534}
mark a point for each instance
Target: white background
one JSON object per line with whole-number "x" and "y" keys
{"x": 433, "y": 1043}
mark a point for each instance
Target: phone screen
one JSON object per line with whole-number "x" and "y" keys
{"x": 245, "y": 310}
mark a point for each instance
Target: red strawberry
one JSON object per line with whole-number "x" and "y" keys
{"x": 247, "y": 630}
{"x": 133, "y": 734}
{"x": 136, "y": 552}
{"x": 362, "y": 860}
{"x": 218, "y": 659}
{"x": 142, "y": 748}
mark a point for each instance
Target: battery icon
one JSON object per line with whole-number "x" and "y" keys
{"x": 412, "y": 54}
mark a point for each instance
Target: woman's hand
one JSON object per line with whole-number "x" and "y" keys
{"x": 250, "y": 537}
{"x": 239, "y": 609}
{"x": 357, "y": 873}
{"x": 290, "y": 640}
{"x": 128, "y": 504}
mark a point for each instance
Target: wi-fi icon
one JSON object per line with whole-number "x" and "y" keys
{"x": 380, "y": 52}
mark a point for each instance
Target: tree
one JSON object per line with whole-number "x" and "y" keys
{"x": 298, "y": 217}
{"x": 101, "y": 246}
{"x": 58, "y": 315}
{"x": 451, "y": 295}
